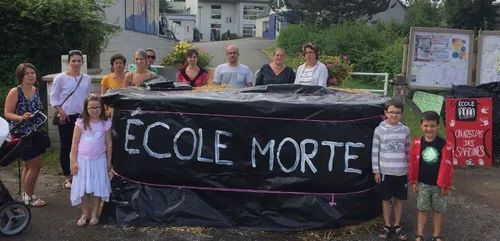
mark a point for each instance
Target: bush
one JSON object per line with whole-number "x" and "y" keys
{"x": 372, "y": 48}
{"x": 178, "y": 57}
{"x": 293, "y": 36}
{"x": 41, "y": 31}
{"x": 231, "y": 36}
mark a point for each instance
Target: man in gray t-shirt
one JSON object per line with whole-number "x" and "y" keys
{"x": 233, "y": 73}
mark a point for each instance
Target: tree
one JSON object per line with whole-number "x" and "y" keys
{"x": 165, "y": 7}
{"x": 424, "y": 13}
{"x": 327, "y": 12}
{"x": 471, "y": 14}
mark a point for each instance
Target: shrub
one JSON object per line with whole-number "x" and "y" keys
{"x": 339, "y": 67}
{"x": 293, "y": 36}
{"x": 41, "y": 31}
{"x": 231, "y": 36}
{"x": 178, "y": 57}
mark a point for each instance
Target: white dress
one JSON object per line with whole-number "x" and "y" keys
{"x": 92, "y": 176}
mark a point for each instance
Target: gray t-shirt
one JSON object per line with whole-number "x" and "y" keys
{"x": 237, "y": 76}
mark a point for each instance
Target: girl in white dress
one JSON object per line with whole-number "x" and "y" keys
{"x": 91, "y": 160}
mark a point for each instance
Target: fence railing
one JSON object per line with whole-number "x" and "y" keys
{"x": 383, "y": 91}
{"x": 386, "y": 81}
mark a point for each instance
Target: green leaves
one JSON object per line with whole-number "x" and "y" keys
{"x": 40, "y": 31}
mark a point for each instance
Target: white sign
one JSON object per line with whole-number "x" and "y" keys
{"x": 439, "y": 59}
{"x": 489, "y": 60}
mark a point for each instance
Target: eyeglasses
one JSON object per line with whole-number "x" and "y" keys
{"x": 394, "y": 113}
{"x": 151, "y": 57}
{"x": 94, "y": 108}
{"x": 231, "y": 53}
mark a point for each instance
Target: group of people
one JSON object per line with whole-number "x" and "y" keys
{"x": 312, "y": 72}
{"x": 426, "y": 163}
{"x": 84, "y": 131}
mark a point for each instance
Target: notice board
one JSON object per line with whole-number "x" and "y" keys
{"x": 468, "y": 128}
{"x": 439, "y": 58}
{"x": 488, "y": 60}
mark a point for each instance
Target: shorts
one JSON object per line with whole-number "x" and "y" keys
{"x": 429, "y": 197}
{"x": 35, "y": 147}
{"x": 394, "y": 186}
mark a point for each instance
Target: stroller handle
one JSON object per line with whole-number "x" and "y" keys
{"x": 38, "y": 112}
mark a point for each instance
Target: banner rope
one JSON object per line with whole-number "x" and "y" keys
{"x": 241, "y": 190}
{"x": 382, "y": 117}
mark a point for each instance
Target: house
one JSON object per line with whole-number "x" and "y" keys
{"x": 275, "y": 21}
{"x": 139, "y": 29}
{"x": 214, "y": 18}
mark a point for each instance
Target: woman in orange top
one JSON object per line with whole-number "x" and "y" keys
{"x": 116, "y": 78}
{"x": 192, "y": 74}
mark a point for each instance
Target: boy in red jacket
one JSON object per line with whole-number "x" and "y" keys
{"x": 431, "y": 169}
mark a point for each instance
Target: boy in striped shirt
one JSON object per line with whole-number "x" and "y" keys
{"x": 390, "y": 151}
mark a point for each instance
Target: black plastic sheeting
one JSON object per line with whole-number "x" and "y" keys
{"x": 490, "y": 90}
{"x": 163, "y": 175}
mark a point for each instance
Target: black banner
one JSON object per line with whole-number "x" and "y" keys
{"x": 268, "y": 158}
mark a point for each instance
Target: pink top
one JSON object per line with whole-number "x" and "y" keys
{"x": 93, "y": 142}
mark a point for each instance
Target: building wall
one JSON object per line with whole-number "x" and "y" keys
{"x": 228, "y": 11}
{"x": 126, "y": 42}
{"x": 259, "y": 26}
{"x": 116, "y": 14}
{"x": 272, "y": 25}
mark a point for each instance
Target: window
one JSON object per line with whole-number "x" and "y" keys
{"x": 265, "y": 26}
{"x": 248, "y": 30}
{"x": 251, "y": 12}
{"x": 140, "y": 16}
{"x": 216, "y": 11}
{"x": 215, "y": 25}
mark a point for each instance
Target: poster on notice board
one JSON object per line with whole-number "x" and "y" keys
{"x": 439, "y": 58}
{"x": 468, "y": 128}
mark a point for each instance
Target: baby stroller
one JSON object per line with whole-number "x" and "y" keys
{"x": 15, "y": 216}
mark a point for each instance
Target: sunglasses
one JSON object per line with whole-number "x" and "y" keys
{"x": 151, "y": 57}
{"x": 75, "y": 52}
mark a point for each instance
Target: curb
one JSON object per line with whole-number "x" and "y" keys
{"x": 271, "y": 57}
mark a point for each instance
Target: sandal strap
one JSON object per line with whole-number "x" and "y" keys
{"x": 420, "y": 237}
{"x": 436, "y": 238}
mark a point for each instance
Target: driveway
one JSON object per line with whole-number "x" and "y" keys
{"x": 250, "y": 51}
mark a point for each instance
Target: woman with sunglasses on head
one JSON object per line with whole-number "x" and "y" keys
{"x": 151, "y": 59}
{"x": 20, "y": 104}
{"x": 67, "y": 96}
{"x": 139, "y": 75}
{"x": 312, "y": 72}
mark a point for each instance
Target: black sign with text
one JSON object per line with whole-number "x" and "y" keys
{"x": 244, "y": 159}
{"x": 466, "y": 110}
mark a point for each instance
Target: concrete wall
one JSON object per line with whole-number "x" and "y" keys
{"x": 126, "y": 42}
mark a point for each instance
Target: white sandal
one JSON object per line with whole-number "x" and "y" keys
{"x": 67, "y": 184}
{"x": 33, "y": 201}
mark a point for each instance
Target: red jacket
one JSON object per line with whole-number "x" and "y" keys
{"x": 445, "y": 168}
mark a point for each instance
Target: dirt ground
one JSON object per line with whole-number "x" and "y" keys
{"x": 473, "y": 214}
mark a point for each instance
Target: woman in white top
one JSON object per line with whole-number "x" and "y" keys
{"x": 64, "y": 84}
{"x": 313, "y": 72}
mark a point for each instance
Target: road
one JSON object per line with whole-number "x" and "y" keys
{"x": 250, "y": 51}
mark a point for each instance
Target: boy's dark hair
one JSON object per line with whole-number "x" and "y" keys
{"x": 429, "y": 116}
{"x": 396, "y": 103}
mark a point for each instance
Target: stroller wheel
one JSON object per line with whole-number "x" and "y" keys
{"x": 14, "y": 218}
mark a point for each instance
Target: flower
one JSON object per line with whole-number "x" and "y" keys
{"x": 329, "y": 65}
{"x": 345, "y": 57}
{"x": 178, "y": 56}
{"x": 333, "y": 81}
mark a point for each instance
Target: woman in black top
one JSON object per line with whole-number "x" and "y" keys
{"x": 276, "y": 72}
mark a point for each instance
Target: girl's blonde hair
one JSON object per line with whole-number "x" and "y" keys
{"x": 85, "y": 114}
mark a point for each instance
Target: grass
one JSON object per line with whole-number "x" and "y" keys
{"x": 410, "y": 119}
